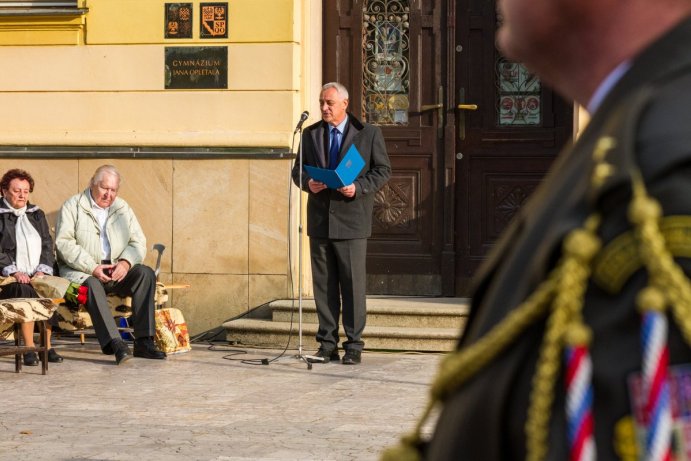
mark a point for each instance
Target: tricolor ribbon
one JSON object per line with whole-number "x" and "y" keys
{"x": 658, "y": 413}
{"x": 579, "y": 396}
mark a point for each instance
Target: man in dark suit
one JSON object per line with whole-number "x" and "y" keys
{"x": 339, "y": 221}
{"x": 506, "y": 392}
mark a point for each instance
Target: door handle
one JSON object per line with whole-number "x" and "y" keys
{"x": 439, "y": 107}
{"x": 462, "y": 106}
{"x": 427, "y": 107}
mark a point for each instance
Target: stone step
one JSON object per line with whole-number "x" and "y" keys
{"x": 387, "y": 312}
{"x": 257, "y": 332}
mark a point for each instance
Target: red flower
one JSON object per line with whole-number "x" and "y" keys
{"x": 81, "y": 294}
{"x": 76, "y": 294}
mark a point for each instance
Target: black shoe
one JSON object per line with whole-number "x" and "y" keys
{"x": 145, "y": 348}
{"x": 121, "y": 351}
{"x": 352, "y": 357}
{"x": 53, "y": 356}
{"x": 323, "y": 356}
{"x": 31, "y": 359}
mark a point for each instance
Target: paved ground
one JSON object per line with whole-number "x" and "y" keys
{"x": 208, "y": 405}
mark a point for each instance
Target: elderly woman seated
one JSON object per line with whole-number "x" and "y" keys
{"x": 26, "y": 250}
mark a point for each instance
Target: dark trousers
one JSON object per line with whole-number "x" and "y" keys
{"x": 140, "y": 284}
{"x": 339, "y": 273}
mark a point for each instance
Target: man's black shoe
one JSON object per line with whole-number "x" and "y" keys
{"x": 121, "y": 351}
{"x": 145, "y": 348}
{"x": 323, "y": 356}
{"x": 352, "y": 357}
{"x": 30, "y": 359}
{"x": 53, "y": 356}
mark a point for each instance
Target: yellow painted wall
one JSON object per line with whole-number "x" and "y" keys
{"x": 185, "y": 118}
{"x": 581, "y": 119}
{"x": 252, "y": 67}
{"x": 137, "y": 21}
{"x": 31, "y": 30}
{"x": 100, "y": 82}
{"x": 114, "y": 84}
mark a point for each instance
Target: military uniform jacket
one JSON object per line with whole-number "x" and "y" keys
{"x": 484, "y": 419}
{"x": 330, "y": 214}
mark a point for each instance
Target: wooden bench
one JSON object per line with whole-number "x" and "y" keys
{"x": 14, "y": 312}
{"x": 78, "y": 321}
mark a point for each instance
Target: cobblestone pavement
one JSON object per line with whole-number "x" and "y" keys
{"x": 209, "y": 405}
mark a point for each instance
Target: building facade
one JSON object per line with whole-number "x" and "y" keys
{"x": 195, "y": 102}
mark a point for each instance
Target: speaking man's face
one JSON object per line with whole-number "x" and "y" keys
{"x": 333, "y": 106}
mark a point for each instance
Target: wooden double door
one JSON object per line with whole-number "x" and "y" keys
{"x": 470, "y": 135}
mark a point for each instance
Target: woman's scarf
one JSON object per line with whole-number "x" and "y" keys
{"x": 28, "y": 241}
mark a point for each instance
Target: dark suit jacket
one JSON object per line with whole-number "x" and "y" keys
{"x": 329, "y": 213}
{"x": 484, "y": 419}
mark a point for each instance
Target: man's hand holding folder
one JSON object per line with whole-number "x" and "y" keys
{"x": 343, "y": 176}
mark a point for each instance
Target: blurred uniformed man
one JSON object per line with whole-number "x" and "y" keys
{"x": 504, "y": 393}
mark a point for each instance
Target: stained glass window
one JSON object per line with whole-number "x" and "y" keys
{"x": 518, "y": 94}
{"x": 385, "y": 60}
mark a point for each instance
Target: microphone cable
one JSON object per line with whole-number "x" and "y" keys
{"x": 267, "y": 361}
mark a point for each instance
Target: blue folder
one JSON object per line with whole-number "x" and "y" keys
{"x": 345, "y": 173}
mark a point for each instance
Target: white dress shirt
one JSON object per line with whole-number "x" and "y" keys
{"x": 101, "y": 215}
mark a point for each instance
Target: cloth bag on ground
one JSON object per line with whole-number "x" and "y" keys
{"x": 172, "y": 336}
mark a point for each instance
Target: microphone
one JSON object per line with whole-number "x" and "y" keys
{"x": 303, "y": 117}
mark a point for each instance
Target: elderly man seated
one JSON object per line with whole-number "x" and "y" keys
{"x": 101, "y": 245}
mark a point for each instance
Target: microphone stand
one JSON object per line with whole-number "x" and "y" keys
{"x": 300, "y": 355}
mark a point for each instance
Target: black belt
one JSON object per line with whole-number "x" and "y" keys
{"x": 105, "y": 261}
